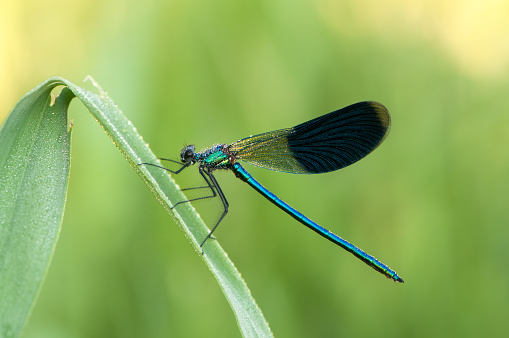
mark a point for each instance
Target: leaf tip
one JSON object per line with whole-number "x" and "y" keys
{"x": 94, "y": 83}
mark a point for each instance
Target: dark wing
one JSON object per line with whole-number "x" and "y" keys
{"x": 326, "y": 143}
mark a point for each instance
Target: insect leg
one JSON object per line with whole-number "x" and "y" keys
{"x": 223, "y": 200}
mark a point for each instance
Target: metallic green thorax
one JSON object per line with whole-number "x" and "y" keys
{"x": 214, "y": 157}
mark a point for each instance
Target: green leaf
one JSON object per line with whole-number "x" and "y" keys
{"x": 34, "y": 171}
{"x": 124, "y": 135}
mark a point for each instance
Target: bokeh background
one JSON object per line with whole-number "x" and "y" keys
{"x": 431, "y": 202}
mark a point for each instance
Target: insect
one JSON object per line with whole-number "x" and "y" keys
{"x": 324, "y": 144}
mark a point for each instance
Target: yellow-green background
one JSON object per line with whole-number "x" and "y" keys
{"x": 431, "y": 202}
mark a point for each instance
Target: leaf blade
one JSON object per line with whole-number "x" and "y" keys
{"x": 34, "y": 171}
{"x": 125, "y": 136}
{"x": 249, "y": 316}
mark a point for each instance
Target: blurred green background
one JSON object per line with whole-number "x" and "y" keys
{"x": 431, "y": 202}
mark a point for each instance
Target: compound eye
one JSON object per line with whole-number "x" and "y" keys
{"x": 187, "y": 154}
